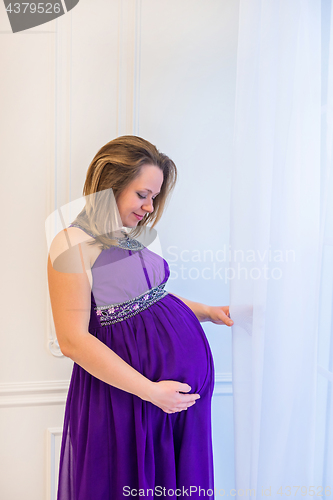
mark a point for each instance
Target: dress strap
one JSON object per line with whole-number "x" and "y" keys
{"x": 145, "y": 270}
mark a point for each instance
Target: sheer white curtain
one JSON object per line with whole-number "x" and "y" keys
{"x": 281, "y": 223}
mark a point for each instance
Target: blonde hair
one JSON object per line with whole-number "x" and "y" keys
{"x": 115, "y": 166}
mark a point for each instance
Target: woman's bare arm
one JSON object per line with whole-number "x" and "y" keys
{"x": 216, "y": 314}
{"x": 70, "y": 300}
{"x": 200, "y": 310}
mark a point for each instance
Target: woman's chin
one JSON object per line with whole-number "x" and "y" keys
{"x": 131, "y": 224}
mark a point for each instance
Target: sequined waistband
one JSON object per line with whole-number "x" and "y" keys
{"x": 113, "y": 313}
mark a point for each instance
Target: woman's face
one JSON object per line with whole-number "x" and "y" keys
{"x": 137, "y": 198}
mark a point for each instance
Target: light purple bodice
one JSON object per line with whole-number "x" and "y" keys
{"x": 125, "y": 272}
{"x": 120, "y": 275}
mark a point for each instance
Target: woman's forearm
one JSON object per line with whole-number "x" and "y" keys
{"x": 200, "y": 310}
{"x": 103, "y": 363}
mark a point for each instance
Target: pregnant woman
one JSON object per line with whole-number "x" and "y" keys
{"x": 138, "y": 412}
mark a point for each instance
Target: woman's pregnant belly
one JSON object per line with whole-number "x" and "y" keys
{"x": 164, "y": 342}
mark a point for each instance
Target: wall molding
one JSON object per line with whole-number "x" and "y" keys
{"x": 44, "y": 393}
{"x": 52, "y": 462}
{"x": 18, "y": 394}
{"x": 223, "y": 384}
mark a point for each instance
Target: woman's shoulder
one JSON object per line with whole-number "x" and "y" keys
{"x": 70, "y": 237}
{"x": 68, "y": 242}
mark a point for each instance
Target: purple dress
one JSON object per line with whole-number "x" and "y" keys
{"x": 114, "y": 444}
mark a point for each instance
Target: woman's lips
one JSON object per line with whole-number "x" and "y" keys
{"x": 139, "y": 217}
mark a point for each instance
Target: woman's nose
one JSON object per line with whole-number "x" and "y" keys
{"x": 148, "y": 206}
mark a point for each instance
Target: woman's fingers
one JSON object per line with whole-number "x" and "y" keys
{"x": 172, "y": 396}
{"x": 180, "y": 407}
{"x": 183, "y": 406}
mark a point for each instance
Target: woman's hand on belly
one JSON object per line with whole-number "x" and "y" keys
{"x": 167, "y": 395}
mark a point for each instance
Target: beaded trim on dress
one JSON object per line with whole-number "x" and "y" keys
{"x": 114, "y": 313}
{"x": 127, "y": 242}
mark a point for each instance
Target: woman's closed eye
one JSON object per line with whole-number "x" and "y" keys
{"x": 143, "y": 197}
